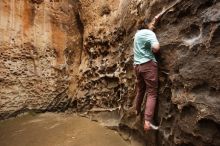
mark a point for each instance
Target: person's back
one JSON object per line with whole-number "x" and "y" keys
{"x": 143, "y": 41}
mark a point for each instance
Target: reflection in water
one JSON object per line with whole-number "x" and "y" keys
{"x": 56, "y": 130}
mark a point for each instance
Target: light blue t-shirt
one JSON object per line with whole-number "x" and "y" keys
{"x": 143, "y": 40}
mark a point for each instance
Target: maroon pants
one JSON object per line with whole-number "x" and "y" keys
{"x": 147, "y": 80}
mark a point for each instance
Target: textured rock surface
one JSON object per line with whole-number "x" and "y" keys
{"x": 188, "y": 107}
{"x": 38, "y": 45}
{"x": 78, "y": 54}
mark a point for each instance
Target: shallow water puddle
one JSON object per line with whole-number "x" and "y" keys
{"x": 56, "y": 130}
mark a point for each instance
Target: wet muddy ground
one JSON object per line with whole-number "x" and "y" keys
{"x": 56, "y": 130}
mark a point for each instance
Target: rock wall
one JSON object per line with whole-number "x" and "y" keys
{"x": 188, "y": 100}
{"x": 39, "y": 45}
{"x": 63, "y": 54}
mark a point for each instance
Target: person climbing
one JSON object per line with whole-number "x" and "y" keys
{"x": 145, "y": 66}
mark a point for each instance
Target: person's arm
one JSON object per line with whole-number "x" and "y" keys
{"x": 153, "y": 23}
{"x": 155, "y": 47}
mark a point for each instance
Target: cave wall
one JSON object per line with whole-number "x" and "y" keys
{"x": 190, "y": 55}
{"x": 39, "y": 45}
{"x": 188, "y": 100}
{"x": 65, "y": 54}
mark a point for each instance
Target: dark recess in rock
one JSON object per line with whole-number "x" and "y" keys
{"x": 37, "y": 1}
{"x": 105, "y": 10}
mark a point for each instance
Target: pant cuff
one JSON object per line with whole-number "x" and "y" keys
{"x": 147, "y": 118}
